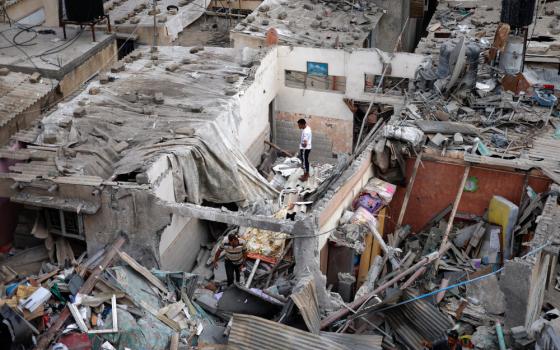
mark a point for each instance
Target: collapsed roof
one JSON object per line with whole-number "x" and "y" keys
{"x": 314, "y": 23}
{"x": 184, "y": 105}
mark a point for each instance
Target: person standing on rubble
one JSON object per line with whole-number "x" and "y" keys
{"x": 304, "y": 147}
{"x": 235, "y": 255}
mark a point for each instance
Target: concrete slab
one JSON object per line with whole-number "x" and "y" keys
{"x": 50, "y": 54}
{"x": 172, "y": 16}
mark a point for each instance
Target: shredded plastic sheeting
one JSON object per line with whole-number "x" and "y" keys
{"x": 124, "y": 131}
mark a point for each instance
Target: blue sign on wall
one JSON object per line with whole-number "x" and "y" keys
{"x": 317, "y": 69}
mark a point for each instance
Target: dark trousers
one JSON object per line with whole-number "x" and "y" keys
{"x": 232, "y": 269}
{"x": 304, "y": 156}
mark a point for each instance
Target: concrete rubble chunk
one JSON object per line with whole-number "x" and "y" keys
{"x": 487, "y": 291}
{"x": 4, "y": 72}
{"x": 35, "y": 78}
{"x": 104, "y": 78}
{"x": 232, "y": 78}
{"x": 94, "y": 90}
{"x": 79, "y": 112}
{"x": 158, "y": 98}
{"x": 196, "y": 49}
{"x": 172, "y": 67}
{"x": 118, "y": 67}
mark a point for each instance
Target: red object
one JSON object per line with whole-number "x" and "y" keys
{"x": 264, "y": 258}
{"x": 548, "y": 86}
{"x": 76, "y": 341}
{"x": 271, "y": 37}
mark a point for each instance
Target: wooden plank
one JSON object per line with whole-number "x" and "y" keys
{"x": 87, "y": 287}
{"x": 455, "y": 206}
{"x": 174, "y": 341}
{"x": 143, "y": 271}
{"x": 408, "y": 191}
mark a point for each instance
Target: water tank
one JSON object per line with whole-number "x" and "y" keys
{"x": 518, "y": 13}
{"x": 83, "y": 10}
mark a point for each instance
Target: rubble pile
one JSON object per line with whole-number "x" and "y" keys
{"x": 88, "y": 303}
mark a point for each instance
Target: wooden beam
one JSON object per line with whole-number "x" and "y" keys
{"x": 86, "y": 288}
{"x": 408, "y": 191}
{"x": 455, "y": 206}
{"x": 143, "y": 271}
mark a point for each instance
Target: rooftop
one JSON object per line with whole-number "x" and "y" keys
{"x": 479, "y": 20}
{"x": 183, "y": 104}
{"x": 45, "y": 50}
{"x": 19, "y": 93}
{"x": 131, "y": 15}
{"x": 327, "y": 24}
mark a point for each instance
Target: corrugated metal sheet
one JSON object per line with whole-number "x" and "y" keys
{"x": 355, "y": 341}
{"x": 255, "y": 333}
{"x": 306, "y": 301}
{"x": 418, "y": 321}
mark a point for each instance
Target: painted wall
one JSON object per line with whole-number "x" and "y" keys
{"x": 294, "y": 103}
{"x": 436, "y": 186}
{"x": 352, "y": 65}
{"x": 331, "y": 209}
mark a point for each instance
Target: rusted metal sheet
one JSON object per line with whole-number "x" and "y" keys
{"x": 306, "y": 301}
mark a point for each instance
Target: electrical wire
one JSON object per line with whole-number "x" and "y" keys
{"x": 463, "y": 283}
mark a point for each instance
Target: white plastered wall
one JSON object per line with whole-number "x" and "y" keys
{"x": 352, "y": 65}
{"x": 254, "y": 126}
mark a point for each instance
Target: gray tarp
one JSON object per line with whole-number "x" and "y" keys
{"x": 123, "y": 130}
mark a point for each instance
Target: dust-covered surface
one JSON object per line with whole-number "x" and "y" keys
{"x": 183, "y": 105}
{"x": 174, "y": 15}
{"x": 329, "y": 24}
{"x": 46, "y": 50}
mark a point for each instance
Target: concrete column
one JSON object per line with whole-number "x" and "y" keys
{"x": 306, "y": 253}
{"x": 523, "y": 283}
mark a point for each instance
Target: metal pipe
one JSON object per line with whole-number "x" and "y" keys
{"x": 253, "y": 271}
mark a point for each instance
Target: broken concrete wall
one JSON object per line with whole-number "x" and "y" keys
{"x": 330, "y": 135}
{"x": 180, "y": 243}
{"x": 243, "y": 40}
{"x": 524, "y": 283}
{"x": 392, "y": 23}
{"x": 82, "y": 71}
{"x": 294, "y": 103}
{"x": 254, "y": 126}
{"x": 181, "y": 239}
{"x": 331, "y": 207}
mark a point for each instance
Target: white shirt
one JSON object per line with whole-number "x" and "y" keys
{"x": 306, "y": 135}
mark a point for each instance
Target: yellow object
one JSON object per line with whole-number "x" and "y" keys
{"x": 503, "y": 213}
{"x": 263, "y": 242}
{"x": 372, "y": 249}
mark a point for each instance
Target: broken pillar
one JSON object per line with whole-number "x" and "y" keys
{"x": 306, "y": 253}
{"x": 523, "y": 282}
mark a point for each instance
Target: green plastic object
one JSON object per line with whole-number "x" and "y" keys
{"x": 472, "y": 184}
